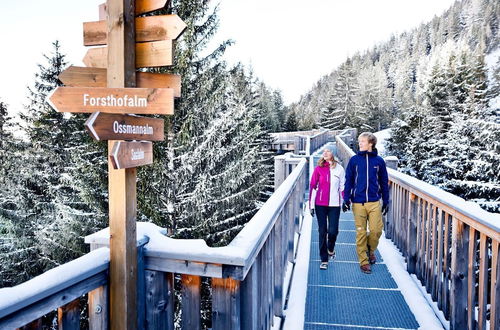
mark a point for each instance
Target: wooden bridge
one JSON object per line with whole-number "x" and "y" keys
{"x": 449, "y": 245}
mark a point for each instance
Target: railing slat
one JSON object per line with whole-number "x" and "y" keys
{"x": 483, "y": 280}
{"x": 446, "y": 266}
{"x": 98, "y": 308}
{"x": 226, "y": 297}
{"x": 159, "y": 300}
{"x": 249, "y": 299}
{"x": 412, "y": 240}
{"x": 33, "y": 325}
{"x": 191, "y": 301}
{"x": 471, "y": 282}
{"x": 68, "y": 316}
{"x": 459, "y": 275}
{"x": 278, "y": 268}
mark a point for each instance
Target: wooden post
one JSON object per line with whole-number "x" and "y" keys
{"x": 459, "y": 275}
{"x": 122, "y": 183}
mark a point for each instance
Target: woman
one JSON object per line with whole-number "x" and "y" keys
{"x": 326, "y": 190}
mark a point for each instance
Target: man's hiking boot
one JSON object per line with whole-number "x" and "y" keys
{"x": 366, "y": 269}
{"x": 323, "y": 265}
{"x": 372, "y": 258}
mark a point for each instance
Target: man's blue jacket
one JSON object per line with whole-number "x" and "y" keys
{"x": 366, "y": 178}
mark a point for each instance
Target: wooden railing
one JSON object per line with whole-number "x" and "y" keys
{"x": 451, "y": 245}
{"x": 248, "y": 278}
{"x": 58, "y": 289}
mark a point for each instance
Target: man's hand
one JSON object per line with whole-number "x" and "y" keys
{"x": 385, "y": 208}
{"x": 346, "y": 206}
{"x": 313, "y": 212}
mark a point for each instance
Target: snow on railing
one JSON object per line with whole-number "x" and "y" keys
{"x": 59, "y": 288}
{"x": 451, "y": 245}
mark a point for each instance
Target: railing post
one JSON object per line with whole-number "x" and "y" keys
{"x": 459, "y": 275}
{"x": 279, "y": 170}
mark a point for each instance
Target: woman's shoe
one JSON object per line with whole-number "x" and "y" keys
{"x": 331, "y": 254}
{"x": 323, "y": 265}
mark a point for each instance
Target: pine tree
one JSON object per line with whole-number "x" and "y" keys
{"x": 291, "y": 122}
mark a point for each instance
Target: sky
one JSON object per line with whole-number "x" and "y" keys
{"x": 289, "y": 44}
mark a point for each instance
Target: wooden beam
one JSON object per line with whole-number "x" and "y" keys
{"x": 120, "y": 55}
{"x": 151, "y": 28}
{"x": 148, "y": 54}
{"x": 76, "y": 76}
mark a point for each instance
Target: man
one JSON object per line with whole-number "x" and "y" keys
{"x": 367, "y": 181}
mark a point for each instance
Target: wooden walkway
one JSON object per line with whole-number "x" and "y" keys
{"x": 342, "y": 297}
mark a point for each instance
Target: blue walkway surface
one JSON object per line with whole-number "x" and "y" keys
{"x": 342, "y": 297}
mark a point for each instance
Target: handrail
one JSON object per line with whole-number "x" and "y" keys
{"x": 450, "y": 244}
{"x": 57, "y": 287}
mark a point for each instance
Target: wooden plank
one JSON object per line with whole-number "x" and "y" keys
{"x": 105, "y": 126}
{"x": 148, "y": 54}
{"x": 249, "y": 299}
{"x": 147, "y": 6}
{"x": 75, "y": 76}
{"x": 103, "y": 11}
{"x": 131, "y": 154}
{"x": 427, "y": 243}
{"x": 471, "y": 280}
{"x": 141, "y": 284}
{"x": 278, "y": 268}
{"x": 226, "y": 311}
{"x": 99, "y": 308}
{"x": 159, "y": 300}
{"x": 151, "y": 28}
{"x": 191, "y": 301}
{"x": 68, "y": 316}
{"x": 459, "y": 275}
{"x": 446, "y": 265}
{"x": 439, "y": 260}
{"x": 42, "y": 307}
{"x": 412, "y": 234}
{"x": 112, "y": 100}
{"x": 483, "y": 281}
{"x": 419, "y": 236}
{"x": 494, "y": 287}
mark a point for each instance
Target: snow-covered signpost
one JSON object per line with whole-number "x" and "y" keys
{"x": 110, "y": 84}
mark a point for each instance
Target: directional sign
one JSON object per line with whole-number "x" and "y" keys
{"x": 151, "y": 28}
{"x": 131, "y": 154}
{"x": 106, "y": 126}
{"x": 147, "y": 54}
{"x": 113, "y": 100}
{"x": 76, "y": 76}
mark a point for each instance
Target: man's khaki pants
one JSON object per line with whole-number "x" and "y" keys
{"x": 370, "y": 212}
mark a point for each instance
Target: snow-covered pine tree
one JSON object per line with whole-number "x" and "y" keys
{"x": 342, "y": 110}
{"x": 291, "y": 124}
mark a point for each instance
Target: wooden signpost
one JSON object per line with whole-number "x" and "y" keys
{"x": 105, "y": 126}
{"x": 110, "y": 88}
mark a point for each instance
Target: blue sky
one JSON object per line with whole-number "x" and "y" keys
{"x": 290, "y": 44}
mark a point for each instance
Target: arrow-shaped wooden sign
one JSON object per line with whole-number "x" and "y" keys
{"x": 147, "y": 54}
{"x": 113, "y": 100}
{"x": 131, "y": 154}
{"x": 151, "y": 28}
{"x": 107, "y": 126}
{"x": 76, "y": 76}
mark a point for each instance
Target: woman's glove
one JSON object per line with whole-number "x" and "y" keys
{"x": 313, "y": 212}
